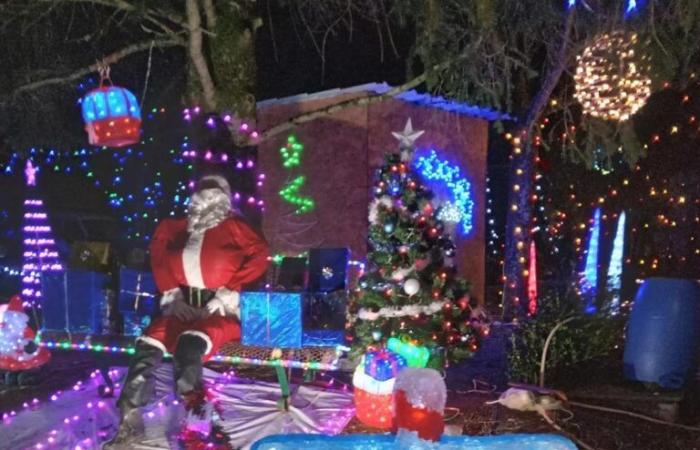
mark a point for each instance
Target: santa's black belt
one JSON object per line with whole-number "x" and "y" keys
{"x": 197, "y": 297}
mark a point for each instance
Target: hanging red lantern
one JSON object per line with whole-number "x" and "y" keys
{"x": 112, "y": 115}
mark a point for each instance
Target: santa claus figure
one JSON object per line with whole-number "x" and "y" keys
{"x": 199, "y": 264}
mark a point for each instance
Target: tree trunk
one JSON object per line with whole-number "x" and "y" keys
{"x": 196, "y": 53}
{"x": 232, "y": 52}
{"x": 222, "y": 72}
{"x": 518, "y": 219}
{"x": 518, "y": 226}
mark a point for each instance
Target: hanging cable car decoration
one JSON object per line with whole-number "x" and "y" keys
{"x": 111, "y": 113}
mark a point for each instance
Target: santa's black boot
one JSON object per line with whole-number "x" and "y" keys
{"x": 138, "y": 390}
{"x": 187, "y": 363}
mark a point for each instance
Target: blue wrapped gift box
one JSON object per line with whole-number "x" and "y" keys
{"x": 73, "y": 301}
{"x": 137, "y": 292}
{"x": 323, "y": 338}
{"x": 134, "y": 324}
{"x": 271, "y": 319}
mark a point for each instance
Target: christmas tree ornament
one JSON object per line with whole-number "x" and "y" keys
{"x": 411, "y": 287}
{"x": 419, "y": 403}
{"x": 611, "y": 79}
{"x": 112, "y": 114}
{"x": 377, "y": 335}
{"x": 402, "y": 273}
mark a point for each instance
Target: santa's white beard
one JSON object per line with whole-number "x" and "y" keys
{"x": 207, "y": 209}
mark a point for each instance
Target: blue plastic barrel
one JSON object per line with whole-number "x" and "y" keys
{"x": 663, "y": 338}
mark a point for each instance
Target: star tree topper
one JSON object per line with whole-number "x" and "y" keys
{"x": 407, "y": 139}
{"x": 30, "y": 173}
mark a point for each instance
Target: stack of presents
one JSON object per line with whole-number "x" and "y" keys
{"x": 303, "y": 306}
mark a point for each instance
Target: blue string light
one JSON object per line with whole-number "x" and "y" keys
{"x": 460, "y": 205}
{"x": 615, "y": 268}
{"x": 570, "y": 3}
{"x": 589, "y": 278}
{"x": 113, "y": 172}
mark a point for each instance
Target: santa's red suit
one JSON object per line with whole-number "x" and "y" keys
{"x": 222, "y": 259}
{"x": 209, "y": 256}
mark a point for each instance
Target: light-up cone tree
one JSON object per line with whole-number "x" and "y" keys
{"x": 39, "y": 248}
{"x": 293, "y": 231}
{"x": 411, "y": 299}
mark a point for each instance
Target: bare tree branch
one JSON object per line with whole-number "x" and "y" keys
{"x": 210, "y": 14}
{"x": 109, "y": 59}
{"x": 323, "y": 112}
{"x": 545, "y": 92}
{"x": 126, "y": 6}
{"x": 194, "y": 21}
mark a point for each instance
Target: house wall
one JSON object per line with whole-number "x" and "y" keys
{"x": 342, "y": 151}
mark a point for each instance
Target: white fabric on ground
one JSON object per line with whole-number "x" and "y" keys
{"x": 249, "y": 413}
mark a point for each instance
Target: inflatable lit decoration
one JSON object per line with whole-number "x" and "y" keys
{"x": 111, "y": 114}
{"x": 374, "y": 386}
{"x": 18, "y": 351}
{"x": 419, "y": 403}
{"x": 611, "y": 80}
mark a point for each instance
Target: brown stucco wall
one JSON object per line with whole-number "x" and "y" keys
{"x": 341, "y": 152}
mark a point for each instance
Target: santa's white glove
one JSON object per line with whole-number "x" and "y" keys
{"x": 224, "y": 303}
{"x": 173, "y": 304}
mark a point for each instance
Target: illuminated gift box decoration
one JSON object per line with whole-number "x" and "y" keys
{"x": 271, "y": 319}
{"x": 383, "y": 365}
{"x": 419, "y": 403}
{"x": 112, "y": 117}
{"x": 415, "y": 355}
{"x": 374, "y": 386}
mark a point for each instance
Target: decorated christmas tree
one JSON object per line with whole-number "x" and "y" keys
{"x": 411, "y": 299}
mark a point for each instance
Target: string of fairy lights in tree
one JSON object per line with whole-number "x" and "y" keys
{"x": 133, "y": 179}
{"x": 291, "y": 159}
{"x": 659, "y": 232}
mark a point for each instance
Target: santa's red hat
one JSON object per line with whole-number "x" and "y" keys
{"x": 214, "y": 182}
{"x": 15, "y": 304}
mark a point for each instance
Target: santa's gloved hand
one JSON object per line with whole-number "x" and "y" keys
{"x": 173, "y": 304}
{"x": 225, "y": 302}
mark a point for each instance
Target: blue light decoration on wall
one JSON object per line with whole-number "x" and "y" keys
{"x": 460, "y": 207}
{"x": 588, "y": 284}
{"x": 615, "y": 267}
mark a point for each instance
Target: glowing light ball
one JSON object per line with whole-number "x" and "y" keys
{"x": 374, "y": 386}
{"x": 611, "y": 80}
{"x": 419, "y": 403}
{"x": 112, "y": 117}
